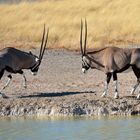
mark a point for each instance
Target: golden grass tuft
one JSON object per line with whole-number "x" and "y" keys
{"x": 109, "y": 22}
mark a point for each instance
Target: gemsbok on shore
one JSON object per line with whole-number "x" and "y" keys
{"x": 15, "y": 61}
{"x": 110, "y": 60}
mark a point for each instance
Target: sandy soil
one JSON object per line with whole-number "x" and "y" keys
{"x": 60, "y": 80}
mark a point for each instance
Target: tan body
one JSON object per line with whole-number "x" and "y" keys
{"x": 111, "y": 60}
{"x": 114, "y": 59}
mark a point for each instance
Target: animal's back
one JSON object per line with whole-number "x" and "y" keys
{"x": 116, "y": 58}
{"x": 10, "y": 57}
{"x": 12, "y": 51}
{"x": 135, "y": 57}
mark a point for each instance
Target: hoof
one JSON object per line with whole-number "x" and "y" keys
{"x": 103, "y": 95}
{"x": 116, "y": 97}
{"x": 25, "y": 87}
{"x": 138, "y": 97}
{"x": 132, "y": 93}
{"x": 4, "y": 96}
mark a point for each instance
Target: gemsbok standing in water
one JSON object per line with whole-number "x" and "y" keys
{"x": 111, "y": 60}
{"x": 14, "y": 61}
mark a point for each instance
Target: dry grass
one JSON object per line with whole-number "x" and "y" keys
{"x": 109, "y": 22}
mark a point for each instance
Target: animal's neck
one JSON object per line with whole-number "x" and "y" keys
{"x": 96, "y": 63}
{"x": 30, "y": 62}
{"x": 96, "y": 58}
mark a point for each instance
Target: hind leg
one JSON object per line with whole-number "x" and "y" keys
{"x": 25, "y": 80}
{"x": 116, "y": 85}
{"x": 6, "y": 85}
{"x": 135, "y": 87}
{"x": 137, "y": 74}
{"x": 2, "y": 94}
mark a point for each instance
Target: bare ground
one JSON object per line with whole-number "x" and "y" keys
{"x": 60, "y": 88}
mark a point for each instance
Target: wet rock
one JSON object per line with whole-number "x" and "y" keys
{"x": 5, "y": 111}
{"x": 103, "y": 111}
{"x": 134, "y": 112}
{"x": 66, "y": 108}
{"x": 78, "y": 110}
{"x": 114, "y": 113}
{"x": 55, "y": 111}
{"x": 114, "y": 109}
{"x": 42, "y": 111}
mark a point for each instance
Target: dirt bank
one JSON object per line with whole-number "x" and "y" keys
{"x": 60, "y": 88}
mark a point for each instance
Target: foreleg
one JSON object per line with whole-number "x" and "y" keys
{"x": 7, "y": 83}
{"x": 109, "y": 75}
{"x": 25, "y": 80}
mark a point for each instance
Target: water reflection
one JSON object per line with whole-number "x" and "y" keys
{"x": 77, "y": 128}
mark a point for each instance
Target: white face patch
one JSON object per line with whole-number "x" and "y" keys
{"x": 84, "y": 58}
{"x": 83, "y": 70}
{"x": 36, "y": 59}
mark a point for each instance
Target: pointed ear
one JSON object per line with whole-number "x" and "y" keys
{"x": 30, "y": 52}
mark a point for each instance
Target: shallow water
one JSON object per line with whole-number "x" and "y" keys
{"x": 70, "y": 128}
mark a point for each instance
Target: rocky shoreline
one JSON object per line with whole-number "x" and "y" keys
{"x": 97, "y": 107}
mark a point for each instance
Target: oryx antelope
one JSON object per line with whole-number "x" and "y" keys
{"x": 14, "y": 61}
{"x": 110, "y": 60}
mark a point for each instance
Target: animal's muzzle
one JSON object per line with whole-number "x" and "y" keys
{"x": 34, "y": 73}
{"x": 83, "y": 70}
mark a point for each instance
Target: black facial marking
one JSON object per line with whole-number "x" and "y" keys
{"x": 30, "y": 53}
{"x": 35, "y": 67}
{"x": 85, "y": 65}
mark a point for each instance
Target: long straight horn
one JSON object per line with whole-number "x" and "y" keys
{"x": 81, "y": 38}
{"x": 41, "y": 48}
{"x": 85, "y": 43}
{"x": 46, "y": 40}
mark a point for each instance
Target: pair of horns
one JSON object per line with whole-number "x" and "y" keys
{"x": 43, "y": 43}
{"x": 83, "y": 51}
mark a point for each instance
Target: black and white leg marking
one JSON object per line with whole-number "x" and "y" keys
{"x": 108, "y": 78}
{"x": 135, "y": 86}
{"x": 116, "y": 85}
{"x": 6, "y": 85}
{"x": 25, "y": 80}
{"x": 137, "y": 74}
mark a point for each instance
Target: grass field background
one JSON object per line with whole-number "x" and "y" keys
{"x": 113, "y": 22}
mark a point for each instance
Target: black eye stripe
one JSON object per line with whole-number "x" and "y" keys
{"x": 85, "y": 63}
{"x": 36, "y": 66}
